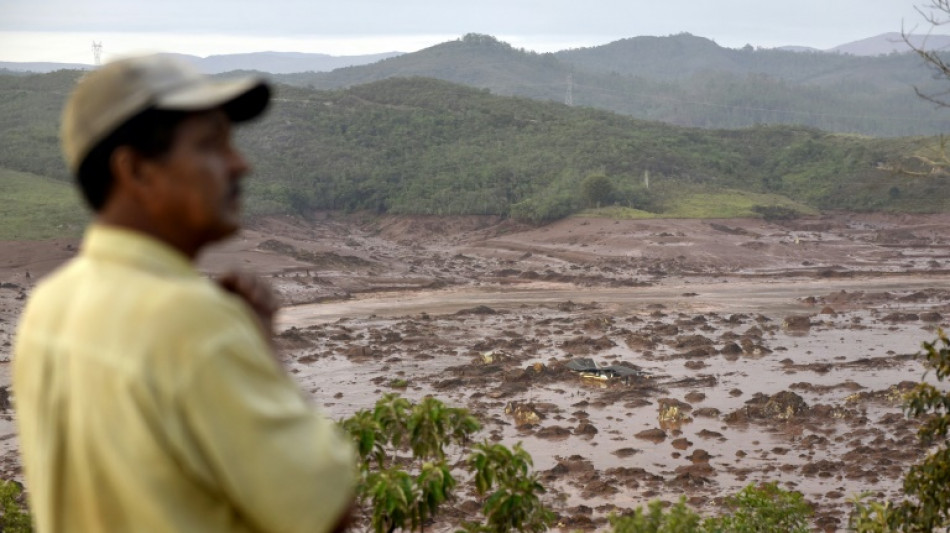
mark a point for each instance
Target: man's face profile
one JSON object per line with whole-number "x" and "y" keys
{"x": 195, "y": 186}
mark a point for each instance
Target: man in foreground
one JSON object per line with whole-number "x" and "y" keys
{"x": 148, "y": 397}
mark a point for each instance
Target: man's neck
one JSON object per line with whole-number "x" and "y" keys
{"x": 135, "y": 220}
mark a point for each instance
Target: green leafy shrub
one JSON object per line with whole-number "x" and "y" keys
{"x": 514, "y": 504}
{"x": 406, "y": 477}
{"x": 679, "y": 519}
{"x": 16, "y": 517}
{"x": 765, "y": 508}
{"x": 760, "y": 509}
{"x": 926, "y": 506}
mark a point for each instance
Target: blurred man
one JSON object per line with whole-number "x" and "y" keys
{"x": 147, "y": 396}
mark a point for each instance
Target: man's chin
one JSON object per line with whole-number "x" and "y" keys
{"x": 226, "y": 229}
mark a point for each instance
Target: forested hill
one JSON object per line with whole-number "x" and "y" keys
{"x": 684, "y": 80}
{"x": 416, "y": 145}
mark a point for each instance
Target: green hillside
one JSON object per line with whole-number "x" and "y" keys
{"x": 417, "y": 145}
{"x": 683, "y": 80}
{"x": 37, "y": 207}
{"x": 423, "y": 146}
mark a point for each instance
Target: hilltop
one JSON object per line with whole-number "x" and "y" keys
{"x": 683, "y": 80}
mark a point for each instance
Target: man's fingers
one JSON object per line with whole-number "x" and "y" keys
{"x": 253, "y": 290}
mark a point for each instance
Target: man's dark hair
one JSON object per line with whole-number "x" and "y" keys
{"x": 150, "y": 133}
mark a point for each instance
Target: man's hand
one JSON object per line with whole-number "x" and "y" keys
{"x": 257, "y": 294}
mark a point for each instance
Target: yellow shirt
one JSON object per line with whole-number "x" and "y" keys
{"x": 147, "y": 400}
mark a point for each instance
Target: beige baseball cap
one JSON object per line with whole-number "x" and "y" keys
{"x": 109, "y": 96}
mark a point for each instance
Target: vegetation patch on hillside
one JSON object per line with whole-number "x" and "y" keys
{"x": 427, "y": 147}
{"x": 36, "y": 207}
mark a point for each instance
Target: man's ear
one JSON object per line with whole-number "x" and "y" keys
{"x": 130, "y": 173}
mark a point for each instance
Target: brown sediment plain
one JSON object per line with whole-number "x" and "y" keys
{"x": 765, "y": 351}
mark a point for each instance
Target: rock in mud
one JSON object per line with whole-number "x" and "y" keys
{"x": 653, "y": 435}
{"x": 681, "y": 443}
{"x": 695, "y": 396}
{"x": 692, "y": 341}
{"x": 707, "y": 412}
{"x": 585, "y": 428}
{"x": 479, "y": 310}
{"x": 797, "y": 323}
{"x": 553, "y": 433}
{"x": 625, "y": 452}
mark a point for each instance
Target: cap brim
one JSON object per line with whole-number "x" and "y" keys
{"x": 242, "y": 99}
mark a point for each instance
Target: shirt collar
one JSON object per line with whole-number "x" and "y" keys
{"x": 134, "y": 248}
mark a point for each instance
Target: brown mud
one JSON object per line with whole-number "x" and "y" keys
{"x": 759, "y": 351}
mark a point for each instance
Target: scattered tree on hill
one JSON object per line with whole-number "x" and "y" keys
{"x": 598, "y": 191}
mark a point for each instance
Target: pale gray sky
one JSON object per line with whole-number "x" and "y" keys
{"x": 63, "y": 30}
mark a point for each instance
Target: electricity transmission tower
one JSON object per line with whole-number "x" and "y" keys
{"x": 97, "y": 52}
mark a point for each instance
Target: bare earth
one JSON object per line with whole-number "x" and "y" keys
{"x": 767, "y": 351}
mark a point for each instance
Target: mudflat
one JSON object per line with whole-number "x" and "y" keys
{"x": 752, "y": 351}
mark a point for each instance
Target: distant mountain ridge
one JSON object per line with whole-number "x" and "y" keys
{"x": 890, "y": 43}
{"x": 681, "y": 79}
{"x": 293, "y": 62}
{"x": 271, "y": 62}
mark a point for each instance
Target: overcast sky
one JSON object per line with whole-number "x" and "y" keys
{"x": 63, "y": 30}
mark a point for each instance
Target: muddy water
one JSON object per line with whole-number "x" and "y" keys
{"x": 347, "y": 354}
{"x": 724, "y": 295}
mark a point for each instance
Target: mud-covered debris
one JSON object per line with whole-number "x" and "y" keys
{"x": 588, "y": 368}
{"x": 797, "y": 323}
{"x": 523, "y": 413}
{"x": 553, "y": 433}
{"x": 653, "y": 435}
{"x": 894, "y": 394}
{"x": 779, "y": 406}
{"x": 731, "y": 348}
{"x": 822, "y": 468}
{"x": 695, "y": 396}
{"x": 478, "y": 310}
{"x": 625, "y": 452}
{"x": 673, "y": 413}
{"x": 691, "y": 341}
{"x": 681, "y": 443}
{"x": 638, "y": 341}
{"x": 754, "y": 349}
{"x": 585, "y": 344}
{"x": 567, "y": 306}
{"x": 494, "y": 356}
{"x": 324, "y": 260}
{"x": 585, "y": 428}
{"x": 901, "y": 317}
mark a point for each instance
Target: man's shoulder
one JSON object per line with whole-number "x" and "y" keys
{"x": 176, "y": 304}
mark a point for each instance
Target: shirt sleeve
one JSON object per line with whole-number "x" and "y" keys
{"x": 285, "y": 466}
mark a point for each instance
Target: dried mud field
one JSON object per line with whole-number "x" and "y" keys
{"x": 755, "y": 351}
